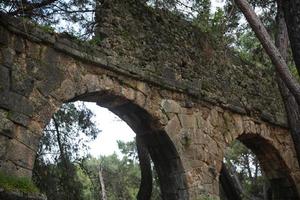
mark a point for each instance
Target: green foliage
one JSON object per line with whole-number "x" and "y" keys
{"x": 75, "y": 128}
{"x": 63, "y": 144}
{"x": 246, "y": 166}
{"x": 95, "y": 41}
{"x": 121, "y": 175}
{"x": 22, "y": 184}
{"x": 47, "y": 28}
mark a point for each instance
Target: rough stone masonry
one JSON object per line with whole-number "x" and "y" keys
{"x": 184, "y": 95}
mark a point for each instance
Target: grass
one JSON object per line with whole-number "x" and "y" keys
{"x": 21, "y": 184}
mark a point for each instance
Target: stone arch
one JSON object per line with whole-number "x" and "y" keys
{"x": 131, "y": 105}
{"x": 273, "y": 165}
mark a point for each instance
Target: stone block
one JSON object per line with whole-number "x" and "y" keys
{"x": 66, "y": 91}
{"x": 3, "y": 144}
{"x": 7, "y": 127}
{"x": 49, "y": 71}
{"x": 8, "y": 56}
{"x": 230, "y": 126}
{"x": 143, "y": 87}
{"x": 33, "y": 49}
{"x": 51, "y": 56}
{"x": 129, "y": 93}
{"x": 28, "y": 138}
{"x": 188, "y": 121}
{"x": 186, "y": 139}
{"x": 19, "y": 45}
{"x": 4, "y": 36}
{"x": 19, "y": 118}
{"x": 21, "y": 82}
{"x": 201, "y": 123}
{"x": 173, "y": 127}
{"x": 140, "y": 99}
{"x": 35, "y": 127}
{"x": 238, "y": 124}
{"x": 16, "y": 102}
{"x": 20, "y": 154}
{"x": 52, "y": 79}
{"x": 170, "y": 106}
{"x": 4, "y": 79}
{"x": 215, "y": 119}
{"x": 249, "y": 126}
{"x": 91, "y": 82}
{"x": 13, "y": 169}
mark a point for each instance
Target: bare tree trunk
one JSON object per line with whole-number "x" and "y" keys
{"x": 291, "y": 106}
{"x": 270, "y": 48}
{"x": 230, "y": 187}
{"x": 291, "y": 10}
{"x": 146, "y": 171}
{"x": 248, "y": 167}
{"x": 60, "y": 146}
{"x": 267, "y": 192}
{"x": 101, "y": 180}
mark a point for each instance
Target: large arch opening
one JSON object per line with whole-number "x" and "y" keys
{"x": 275, "y": 180}
{"x": 147, "y": 128}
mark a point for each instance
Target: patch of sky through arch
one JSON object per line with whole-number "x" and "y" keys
{"x": 112, "y": 129}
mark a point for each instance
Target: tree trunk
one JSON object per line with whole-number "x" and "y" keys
{"x": 291, "y": 106}
{"x": 229, "y": 185}
{"x": 248, "y": 167}
{"x": 291, "y": 10}
{"x": 146, "y": 171}
{"x": 60, "y": 146}
{"x": 101, "y": 180}
{"x": 270, "y": 48}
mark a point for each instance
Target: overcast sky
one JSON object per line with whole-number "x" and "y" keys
{"x": 113, "y": 129}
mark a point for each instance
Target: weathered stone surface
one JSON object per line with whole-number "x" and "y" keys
{"x": 6, "y": 126}
{"x": 4, "y": 78}
{"x": 170, "y": 106}
{"x": 173, "y": 127}
{"x": 19, "y": 45}
{"x": 21, "y": 82}
{"x": 16, "y": 102}
{"x": 53, "y": 77}
{"x": 4, "y": 36}
{"x": 20, "y": 154}
{"x": 28, "y": 138}
{"x": 8, "y": 55}
{"x": 187, "y": 121}
{"x": 3, "y": 145}
{"x": 18, "y": 118}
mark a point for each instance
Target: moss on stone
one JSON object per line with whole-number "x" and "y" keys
{"x": 21, "y": 184}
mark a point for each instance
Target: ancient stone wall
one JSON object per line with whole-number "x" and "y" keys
{"x": 161, "y": 47}
{"x": 185, "y": 125}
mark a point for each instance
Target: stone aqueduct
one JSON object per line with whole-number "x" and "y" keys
{"x": 186, "y": 98}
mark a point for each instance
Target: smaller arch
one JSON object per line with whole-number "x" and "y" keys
{"x": 274, "y": 167}
{"x": 282, "y": 185}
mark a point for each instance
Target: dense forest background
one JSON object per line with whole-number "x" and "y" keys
{"x": 65, "y": 170}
